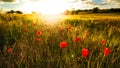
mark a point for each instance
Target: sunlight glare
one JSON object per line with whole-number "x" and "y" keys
{"x": 46, "y": 6}
{"x": 53, "y": 6}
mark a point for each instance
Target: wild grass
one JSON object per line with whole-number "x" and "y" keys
{"x": 18, "y": 33}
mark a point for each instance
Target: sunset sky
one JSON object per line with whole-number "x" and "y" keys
{"x": 56, "y": 6}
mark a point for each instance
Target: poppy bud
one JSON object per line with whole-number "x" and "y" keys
{"x": 103, "y": 41}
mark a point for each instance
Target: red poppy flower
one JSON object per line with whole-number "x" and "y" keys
{"x": 63, "y": 44}
{"x": 69, "y": 27}
{"x": 78, "y": 39}
{"x": 103, "y": 41}
{"x": 38, "y": 33}
{"x": 85, "y": 53}
{"x": 25, "y": 30}
{"x": 107, "y": 51}
{"x": 9, "y": 50}
{"x": 37, "y": 39}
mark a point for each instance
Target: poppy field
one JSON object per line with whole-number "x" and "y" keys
{"x": 73, "y": 41}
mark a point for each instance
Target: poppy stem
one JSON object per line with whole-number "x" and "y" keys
{"x": 88, "y": 64}
{"x": 102, "y": 61}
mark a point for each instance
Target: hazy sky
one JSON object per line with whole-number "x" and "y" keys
{"x": 43, "y": 5}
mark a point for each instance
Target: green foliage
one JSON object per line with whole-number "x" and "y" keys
{"x": 95, "y": 10}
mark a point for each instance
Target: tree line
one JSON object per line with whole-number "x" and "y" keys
{"x": 94, "y": 10}
{"x": 14, "y": 12}
{"x": 67, "y": 12}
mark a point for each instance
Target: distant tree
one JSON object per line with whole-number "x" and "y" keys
{"x": 112, "y": 9}
{"x": 115, "y": 9}
{"x": 77, "y": 11}
{"x": 18, "y": 12}
{"x": 33, "y": 12}
{"x": 8, "y": 12}
{"x": 72, "y": 11}
{"x": 67, "y": 12}
{"x": 95, "y": 10}
{"x": 12, "y": 11}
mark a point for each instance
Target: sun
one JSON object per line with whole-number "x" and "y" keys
{"x": 46, "y": 6}
{"x": 53, "y": 6}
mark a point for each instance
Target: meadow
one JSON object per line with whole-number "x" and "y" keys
{"x": 65, "y": 41}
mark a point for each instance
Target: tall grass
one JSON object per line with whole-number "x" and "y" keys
{"x": 18, "y": 33}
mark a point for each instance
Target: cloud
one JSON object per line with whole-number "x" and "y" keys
{"x": 107, "y": 1}
{"x": 90, "y": 2}
{"x": 83, "y": 0}
{"x": 85, "y": 4}
{"x": 117, "y": 2}
{"x": 100, "y": 2}
{"x": 8, "y": 0}
{"x": 35, "y": 0}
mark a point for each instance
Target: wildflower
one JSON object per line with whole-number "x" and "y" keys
{"x": 69, "y": 27}
{"x": 78, "y": 39}
{"x": 37, "y": 39}
{"x": 38, "y": 33}
{"x": 63, "y": 44}
{"x": 103, "y": 41}
{"x": 25, "y": 30}
{"x": 9, "y": 50}
{"x": 85, "y": 53}
{"x": 107, "y": 51}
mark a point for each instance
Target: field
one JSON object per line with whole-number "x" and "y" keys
{"x": 62, "y": 41}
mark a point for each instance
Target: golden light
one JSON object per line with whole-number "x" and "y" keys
{"x": 50, "y": 9}
{"x": 46, "y": 6}
{"x": 53, "y": 6}
{"x": 29, "y": 7}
